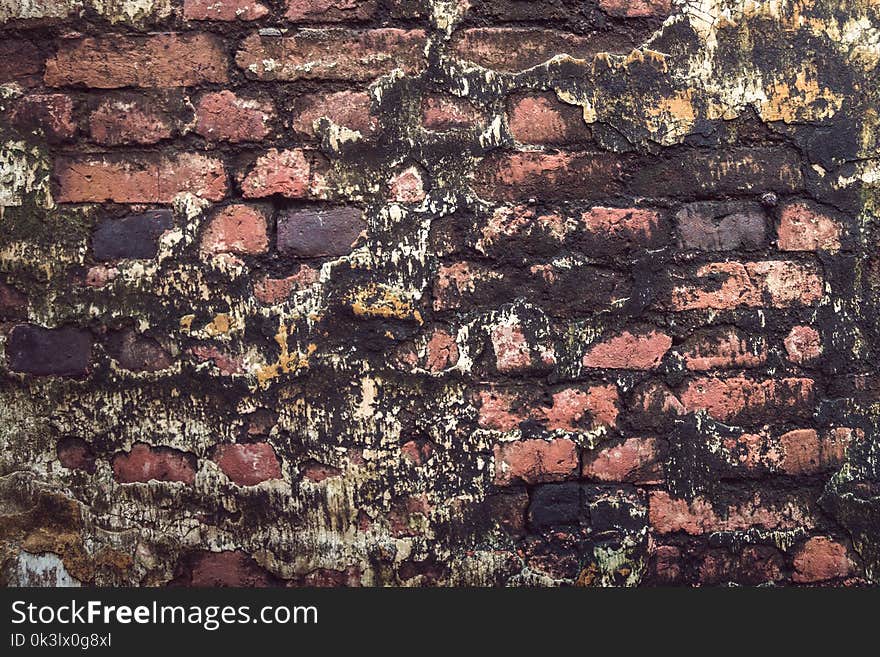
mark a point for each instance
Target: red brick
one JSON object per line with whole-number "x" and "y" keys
{"x": 272, "y": 290}
{"x": 666, "y": 564}
{"x": 248, "y": 464}
{"x": 805, "y": 451}
{"x": 636, "y": 8}
{"x": 741, "y": 398}
{"x": 543, "y": 119}
{"x": 145, "y": 463}
{"x": 139, "y": 178}
{"x": 722, "y": 348}
{"x": 574, "y": 409}
{"x": 633, "y": 225}
{"x": 501, "y": 409}
{"x": 230, "y": 568}
{"x": 636, "y": 460}
{"x": 50, "y": 113}
{"x": 550, "y": 176}
{"x": 803, "y": 344}
{"x": 516, "y": 49}
{"x": 162, "y": 60}
{"x": 325, "y": 11}
{"x": 668, "y": 514}
{"x": 332, "y": 54}
{"x": 441, "y": 351}
{"x": 417, "y": 451}
{"x": 130, "y": 120}
{"x": 802, "y": 228}
{"x": 285, "y": 172}
{"x": 223, "y": 10}
{"x": 236, "y": 229}
{"x": 347, "y": 109}
{"x": 407, "y": 186}
{"x": 535, "y": 461}
{"x": 441, "y": 113}
{"x": 729, "y": 285}
{"x": 223, "y": 116}
{"x": 628, "y": 351}
{"x": 100, "y": 275}
{"x": 822, "y": 558}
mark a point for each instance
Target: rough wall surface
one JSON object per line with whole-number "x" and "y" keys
{"x": 438, "y": 292}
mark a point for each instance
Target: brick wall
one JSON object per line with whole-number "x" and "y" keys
{"x": 429, "y": 292}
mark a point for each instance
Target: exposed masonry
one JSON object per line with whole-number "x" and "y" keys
{"x": 429, "y": 292}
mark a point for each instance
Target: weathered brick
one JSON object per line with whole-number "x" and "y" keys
{"x": 319, "y": 233}
{"x": 223, "y": 10}
{"x": 248, "y": 464}
{"x": 535, "y": 461}
{"x": 755, "y": 564}
{"x": 516, "y": 49}
{"x": 444, "y": 112}
{"x": 237, "y": 229}
{"x": 722, "y": 348}
{"x": 347, "y": 109}
{"x": 146, "y": 463}
{"x": 803, "y": 344}
{"x": 555, "y": 505}
{"x": 65, "y": 351}
{"x": 132, "y": 236}
{"x": 806, "y": 451}
{"x": 441, "y": 351}
{"x": 552, "y": 176}
{"x": 143, "y": 178}
{"x": 636, "y": 8}
{"x": 721, "y": 226}
{"x": 514, "y": 352}
{"x": 668, "y": 514}
{"x": 272, "y": 290}
{"x": 635, "y": 460}
{"x": 739, "y": 398}
{"x": 822, "y": 558}
{"x": 13, "y": 303}
{"x": 223, "y": 116}
{"x": 804, "y": 228}
{"x": 137, "y": 353}
{"x": 132, "y": 119}
{"x": 75, "y": 454}
{"x": 543, "y": 119}
{"x": 332, "y": 54}
{"x": 574, "y": 409}
{"x": 286, "y": 172}
{"x": 728, "y": 285}
{"x": 716, "y": 172}
{"x": 407, "y": 186}
{"x": 20, "y": 61}
{"x": 628, "y": 351}
{"x": 52, "y": 114}
{"x": 162, "y": 60}
{"x": 325, "y": 11}
{"x": 227, "y": 568}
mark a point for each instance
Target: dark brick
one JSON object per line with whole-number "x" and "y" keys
{"x": 721, "y": 226}
{"x": 315, "y": 233}
{"x": 75, "y": 454}
{"x": 134, "y": 236}
{"x": 229, "y": 568}
{"x": 36, "y": 350}
{"x": 555, "y": 504}
{"x": 137, "y": 352}
{"x": 735, "y": 171}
